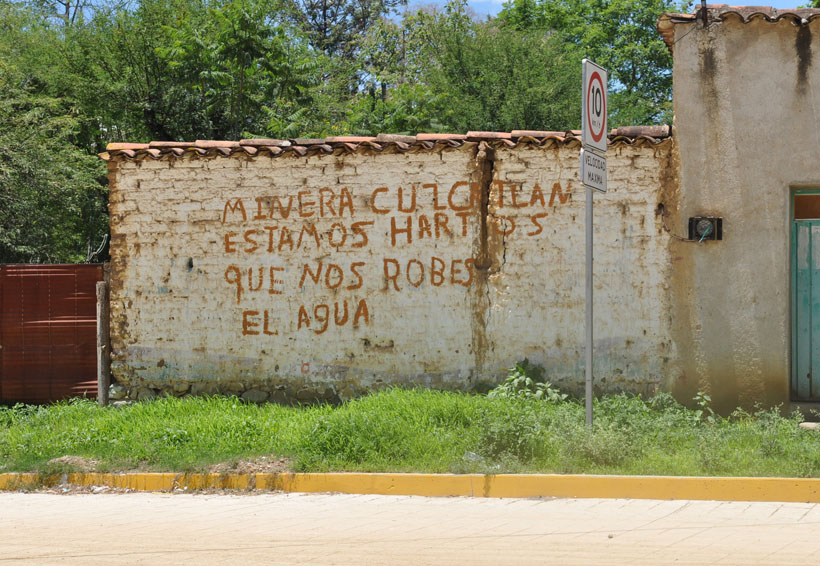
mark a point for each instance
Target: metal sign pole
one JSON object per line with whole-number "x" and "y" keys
{"x": 594, "y": 177}
{"x": 589, "y": 306}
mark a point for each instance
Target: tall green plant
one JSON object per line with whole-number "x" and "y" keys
{"x": 239, "y": 61}
{"x": 621, "y": 36}
{"x": 52, "y": 197}
{"x": 52, "y": 203}
{"x": 495, "y": 77}
{"x": 527, "y": 381}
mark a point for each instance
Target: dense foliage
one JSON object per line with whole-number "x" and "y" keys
{"x": 76, "y": 74}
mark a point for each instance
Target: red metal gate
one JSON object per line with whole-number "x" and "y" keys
{"x": 48, "y": 326}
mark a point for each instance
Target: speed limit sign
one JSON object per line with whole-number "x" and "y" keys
{"x": 593, "y": 176}
{"x": 593, "y": 113}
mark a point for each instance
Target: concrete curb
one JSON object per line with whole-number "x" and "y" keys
{"x": 443, "y": 485}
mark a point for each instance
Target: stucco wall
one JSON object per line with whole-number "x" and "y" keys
{"x": 439, "y": 268}
{"x": 747, "y": 131}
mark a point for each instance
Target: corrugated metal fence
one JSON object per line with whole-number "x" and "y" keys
{"x": 48, "y": 330}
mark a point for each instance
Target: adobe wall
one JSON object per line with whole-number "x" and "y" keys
{"x": 746, "y": 128}
{"x": 329, "y": 274}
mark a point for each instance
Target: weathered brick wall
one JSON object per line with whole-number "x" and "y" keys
{"x": 329, "y": 275}
{"x": 538, "y": 295}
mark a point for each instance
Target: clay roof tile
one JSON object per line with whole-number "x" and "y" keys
{"x": 352, "y": 144}
{"x": 308, "y": 141}
{"x": 440, "y": 137}
{"x": 169, "y": 144}
{"x": 260, "y": 142}
{"x": 121, "y": 146}
{"x": 349, "y": 139}
{"x": 395, "y": 138}
{"x": 722, "y": 12}
{"x": 536, "y": 134}
{"x": 636, "y": 131}
{"x": 216, "y": 144}
{"x": 481, "y": 136}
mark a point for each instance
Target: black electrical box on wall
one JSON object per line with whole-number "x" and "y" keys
{"x": 703, "y": 228}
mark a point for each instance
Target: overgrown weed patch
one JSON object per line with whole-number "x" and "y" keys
{"x": 414, "y": 430}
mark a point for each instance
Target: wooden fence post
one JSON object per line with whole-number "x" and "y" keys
{"x": 103, "y": 346}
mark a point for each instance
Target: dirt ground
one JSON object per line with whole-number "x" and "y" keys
{"x": 67, "y": 464}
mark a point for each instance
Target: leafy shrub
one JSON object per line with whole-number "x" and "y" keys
{"x": 5, "y": 417}
{"x": 601, "y": 448}
{"x": 526, "y": 381}
{"x": 704, "y": 411}
{"x": 514, "y": 427}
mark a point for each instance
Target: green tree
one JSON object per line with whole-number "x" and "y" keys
{"x": 67, "y": 12}
{"x": 239, "y": 61}
{"x": 488, "y": 76}
{"x": 393, "y": 96}
{"x": 335, "y": 26}
{"x": 137, "y": 94}
{"x": 620, "y": 35}
{"x": 403, "y": 109}
{"x": 52, "y": 199}
{"x": 177, "y": 69}
{"x": 125, "y": 90}
{"x": 52, "y": 189}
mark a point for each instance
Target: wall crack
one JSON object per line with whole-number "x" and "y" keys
{"x": 480, "y": 300}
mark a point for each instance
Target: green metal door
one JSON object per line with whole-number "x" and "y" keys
{"x": 805, "y": 310}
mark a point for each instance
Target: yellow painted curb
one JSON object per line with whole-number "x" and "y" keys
{"x": 442, "y": 485}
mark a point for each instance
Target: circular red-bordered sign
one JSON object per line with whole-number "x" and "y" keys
{"x": 591, "y": 105}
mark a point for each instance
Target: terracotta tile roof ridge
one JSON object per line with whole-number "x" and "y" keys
{"x": 630, "y": 135}
{"x": 744, "y": 14}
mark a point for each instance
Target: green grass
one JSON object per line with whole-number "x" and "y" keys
{"x": 414, "y": 430}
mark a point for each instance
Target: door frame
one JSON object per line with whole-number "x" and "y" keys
{"x": 794, "y": 336}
